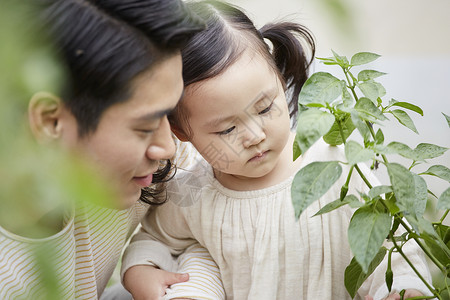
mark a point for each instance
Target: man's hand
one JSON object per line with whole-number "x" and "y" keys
{"x": 150, "y": 283}
{"x": 409, "y": 293}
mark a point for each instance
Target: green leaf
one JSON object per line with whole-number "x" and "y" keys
{"x": 356, "y": 153}
{"x": 403, "y": 184}
{"x": 439, "y": 243}
{"x": 330, "y": 63}
{"x": 346, "y": 96}
{"x": 354, "y": 276}
{"x": 312, "y": 125}
{"x": 409, "y": 106}
{"x": 318, "y": 105}
{"x": 439, "y": 171}
{"x": 398, "y": 148}
{"x": 342, "y": 60}
{"x": 327, "y": 59}
{"x": 366, "y": 75}
{"x": 296, "y": 151}
{"x": 420, "y": 153}
{"x": 363, "y": 58}
{"x": 444, "y": 200}
{"x": 421, "y": 192}
{"x": 311, "y": 182}
{"x": 391, "y": 203}
{"x": 333, "y": 136}
{"x": 368, "y": 111}
{"x": 360, "y": 125}
{"x": 447, "y": 118}
{"x": 338, "y": 203}
{"x": 321, "y": 88}
{"x": 379, "y": 137}
{"x": 366, "y": 233}
{"x": 379, "y": 190}
{"x": 347, "y": 101}
{"x": 404, "y": 119}
{"x": 429, "y": 151}
{"x": 444, "y": 232}
{"x": 372, "y": 90}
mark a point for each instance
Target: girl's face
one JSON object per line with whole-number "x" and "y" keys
{"x": 240, "y": 119}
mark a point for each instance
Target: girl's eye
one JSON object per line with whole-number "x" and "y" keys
{"x": 266, "y": 110}
{"x": 227, "y": 131}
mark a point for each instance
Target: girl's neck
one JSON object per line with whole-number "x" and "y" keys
{"x": 284, "y": 168}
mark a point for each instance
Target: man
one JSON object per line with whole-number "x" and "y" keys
{"x": 124, "y": 76}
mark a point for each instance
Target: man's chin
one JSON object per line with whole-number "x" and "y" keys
{"x": 128, "y": 200}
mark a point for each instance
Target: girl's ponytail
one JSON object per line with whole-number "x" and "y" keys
{"x": 290, "y": 56}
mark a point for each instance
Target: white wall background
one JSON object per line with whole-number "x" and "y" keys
{"x": 413, "y": 37}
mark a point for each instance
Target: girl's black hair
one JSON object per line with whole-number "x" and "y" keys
{"x": 229, "y": 32}
{"x": 105, "y": 44}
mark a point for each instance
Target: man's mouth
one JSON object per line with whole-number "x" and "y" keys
{"x": 143, "y": 181}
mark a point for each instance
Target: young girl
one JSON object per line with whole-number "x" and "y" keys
{"x": 232, "y": 191}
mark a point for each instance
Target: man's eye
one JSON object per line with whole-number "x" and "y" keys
{"x": 227, "y": 131}
{"x": 146, "y": 131}
{"x": 266, "y": 110}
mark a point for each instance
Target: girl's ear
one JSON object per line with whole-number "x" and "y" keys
{"x": 179, "y": 133}
{"x": 44, "y": 113}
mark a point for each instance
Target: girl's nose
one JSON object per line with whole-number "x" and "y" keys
{"x": 254, "y": 136}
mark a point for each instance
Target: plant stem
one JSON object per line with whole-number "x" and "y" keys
{"x": 344, "y": 188}
{"x": 350, "y": 85}
{"x": 399, "y": 249}
{"x": 356, "y": 166}
{"x": 431, "y": 256}
{"x": 363, "y": 177}
{"x": 352, "y": 88}
{"x": 414, "y": 163}
{"x": 348, "y": 177}
{"x": 431, "y": 193}
{"x": 443, "y": 216}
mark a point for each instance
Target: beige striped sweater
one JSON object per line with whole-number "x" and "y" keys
{"x": 82, "y": 256}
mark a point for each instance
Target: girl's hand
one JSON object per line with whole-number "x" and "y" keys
{"x": 409, "y": 293}
{"x": 150, "y": 283}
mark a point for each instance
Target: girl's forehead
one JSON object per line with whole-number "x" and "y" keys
{"x": 249, "y": 66}
{"x": 244, "y": 85}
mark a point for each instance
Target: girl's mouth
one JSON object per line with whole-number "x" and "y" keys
{"x": 258, "y": 157}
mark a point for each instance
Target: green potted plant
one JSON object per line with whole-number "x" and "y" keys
{"x": 333, "y": 109}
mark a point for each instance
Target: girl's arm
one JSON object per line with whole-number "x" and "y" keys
{"x": 157, "y": 248}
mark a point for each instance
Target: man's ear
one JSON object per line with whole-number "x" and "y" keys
{"x": 179, "y": 133}
{"x": 44, "y": 113}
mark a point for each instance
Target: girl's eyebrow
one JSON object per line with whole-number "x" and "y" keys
{"x": 265, "y": 94}
{"x": 258, "y": 99}
{"x": 216, "y": 122}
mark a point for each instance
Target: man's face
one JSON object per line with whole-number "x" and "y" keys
{"x": 133, "y": 136}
